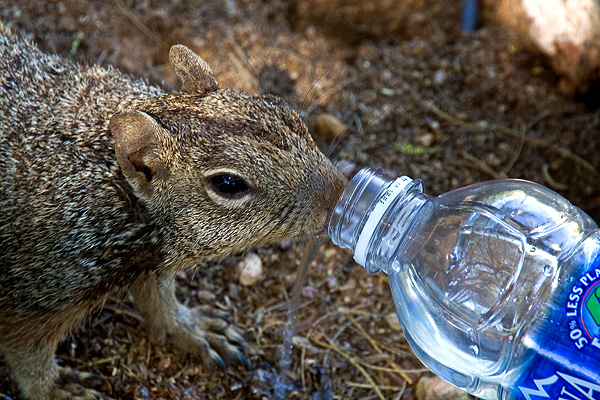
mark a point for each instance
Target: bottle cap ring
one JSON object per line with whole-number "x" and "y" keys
{"x": 384, "y": 202}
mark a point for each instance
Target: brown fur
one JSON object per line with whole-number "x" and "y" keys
{"x": 105, "y": 186}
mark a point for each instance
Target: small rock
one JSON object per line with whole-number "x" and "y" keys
{"x": 330, "y": 252}
{"x": 439, "y": 76}
{"x": 233, "y": 289}
{"x": 286, "y": 244}
{"x": 191, "y": 371}
{"x": 251, "y": 269}
{"x": 206, "y": 296}
{"x": 164, "y": 363}
{"x": 433, "y": 388}
{"x": 462, "y": 116}
{"x": 139, "y": 392}
{"x": 332, "y": 283}
{"x": 493, "y": 160}
{"x": 434, "y": 127}
{"x": 567, "y": 32}
{"x": 392, "y": 321}
{"x": 426, "y": 139}
{"x": 309, "y": 292}
{"x": 329, "y": 127}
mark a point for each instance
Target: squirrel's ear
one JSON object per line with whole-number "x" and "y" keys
{"x": 134, "y": 134}
{"x": 193, "y": 70}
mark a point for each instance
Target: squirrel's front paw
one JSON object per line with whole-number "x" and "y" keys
{"x": 206, "y": 332}
{"x": 69, "y": 385}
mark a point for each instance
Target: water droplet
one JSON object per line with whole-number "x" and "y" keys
{"x": 452, "y": 258}
{"x": 396, "y": 266}
{"x": 532, "y": 249}
{"x": 471, "y": 334}
{"x": 548, "y": 270}
{"x": 474, "y": 350}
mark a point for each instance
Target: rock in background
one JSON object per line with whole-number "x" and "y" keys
{"x": 566, "y": 31}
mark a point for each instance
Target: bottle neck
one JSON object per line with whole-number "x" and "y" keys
{"x": 373, "y": 216}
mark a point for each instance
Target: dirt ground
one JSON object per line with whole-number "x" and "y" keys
{"x": 418, "y": 96}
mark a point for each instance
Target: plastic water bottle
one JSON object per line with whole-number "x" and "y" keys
{"x": 496, "y": 285}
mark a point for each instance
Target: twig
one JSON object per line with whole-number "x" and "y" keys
{"x": 375, "y": 345}
{"x": 106, "y": 360}
{"x": 396, "y": 370}
{"x": 138, "y": 23}
{"x": 326, "y": 95}
{"x": 279, "y": 322}
{"x": 366, "y": 386}
{"x": 517, "y": 153}
{"x": 523, "y": 132}
{"x": 266, "y": 327}
{"x": 551, "y": 181}
{"x": 309, "y": 334}
{"x": 332, "y": 346}
{"x": 398, "y": 395}
{"x": 485, "y": 125}
{"x": 180, "y": 372}
{"x": 120, "y": 311}
{"x": 482, "y": 166}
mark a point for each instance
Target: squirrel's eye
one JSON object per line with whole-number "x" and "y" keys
{"x": 228, "y": 185}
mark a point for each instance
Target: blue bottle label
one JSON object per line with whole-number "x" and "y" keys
{"x": 566, "y": 365}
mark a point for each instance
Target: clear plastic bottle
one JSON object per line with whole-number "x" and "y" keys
{"x": 496, "y": 285}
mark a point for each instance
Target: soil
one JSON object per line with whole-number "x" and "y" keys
{"x": 418, "y": 96}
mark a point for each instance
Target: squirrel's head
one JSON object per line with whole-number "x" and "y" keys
{"x": 222, "y": 170}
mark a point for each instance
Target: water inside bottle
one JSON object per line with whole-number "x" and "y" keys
{"x": 429, "y": 328}
{"x": 468, "y": 293}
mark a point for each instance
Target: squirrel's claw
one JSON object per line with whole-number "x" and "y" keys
{"x": 207, "y": 333}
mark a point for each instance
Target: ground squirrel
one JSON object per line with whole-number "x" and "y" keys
{"x": 109, "y": 184}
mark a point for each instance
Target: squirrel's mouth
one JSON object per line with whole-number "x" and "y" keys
{"x": 321, "y": 226}
{"x": 325, "y": 225}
